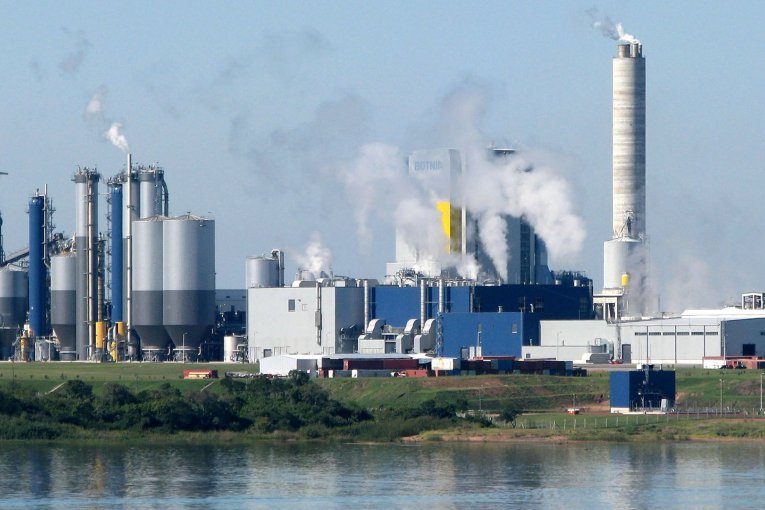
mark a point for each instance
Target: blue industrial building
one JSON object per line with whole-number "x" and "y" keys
{"x": 507, "y": 316}
{"x": 642, "y": 389}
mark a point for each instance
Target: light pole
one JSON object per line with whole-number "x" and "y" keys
{"x": 557, "y": 344}
{"x": 761, "y": 393}
{"x": 721, "y": 382}
{"x": 183, "y": 348}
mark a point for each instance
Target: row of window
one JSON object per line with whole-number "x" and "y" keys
{"x": 678, "y": 333}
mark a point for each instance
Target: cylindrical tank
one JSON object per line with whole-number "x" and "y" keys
{"x": 619, "y": 256}
{"x": 230, "y": 343}
{"x": 100, "y": 335}
{"x": 147, "y": 286}
{"x": 13, "y": 307}
{"x": 189, "y": 280}
{"x": 150, "y": 180}
{"x": 38, "y": 273}
{"x": 629, "y": 214}
{"x": 118, "y": 260}
{"x": 63, "y": 303}
{"x": 262, "y": 271}
{"x": 130, "y": 212}
{"x": 86, "y": 184}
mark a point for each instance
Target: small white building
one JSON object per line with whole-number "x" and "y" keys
{"x": 683, "y": 340}
{"x": 319, "y": 317}
{"x": 282, "y": 365}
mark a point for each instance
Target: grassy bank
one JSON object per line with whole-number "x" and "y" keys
{"x": 384, "y": 409}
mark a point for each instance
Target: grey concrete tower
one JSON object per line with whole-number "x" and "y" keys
{"x": 86, "y": 233}
{"x": 629, "y": 214}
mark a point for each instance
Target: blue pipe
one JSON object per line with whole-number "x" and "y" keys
{"x": 38, "y": 273}
{"x": 117, "y": 257}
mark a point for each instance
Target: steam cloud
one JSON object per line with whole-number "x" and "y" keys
{"x": 95, "y": 111}
{"x": 610, "y": 29}
{"x": 117, "y": 139}
{"x": 317, "y": 258}
{"x": 491, "y": 191}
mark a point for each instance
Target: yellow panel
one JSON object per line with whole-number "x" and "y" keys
{"x": 445, "y": 209}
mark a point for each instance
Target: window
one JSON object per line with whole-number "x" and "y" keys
{"x": 655, "y": 333}
{"x": 640, "y": 333}
{"x": 669, "y": 333}
{"x": 713, "y": 333}
{"x": 291, "y": 305}
{"x": 515, "y": 327}
{"x": 697, "y": 333}
{"x": 683, "y": 333}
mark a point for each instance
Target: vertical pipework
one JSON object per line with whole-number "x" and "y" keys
{"x": 629, "y": 124}
{"x": 423, "y": 301}
{"x": 441, "y": 305}
{"x": 86, "y": 183}
{"x": 366, "y": 305}
{"x": 128, "y": 227}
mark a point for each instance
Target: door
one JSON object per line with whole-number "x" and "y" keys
{"x": 627, "y": 353}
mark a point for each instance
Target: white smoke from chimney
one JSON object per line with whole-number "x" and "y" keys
{"x": 492, "y": 230}
{"x": 377, "y": 166}
{"x": 114, "y": 135}
{"x": 317, "y": 258}
{"x": 610, "y": 29}
{"x": 515, "y": 187}
{"x": 96, "y": 104}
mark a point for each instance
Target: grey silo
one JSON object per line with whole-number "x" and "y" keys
{"x": 14, "y": 301}
{"x": 629, "y": 124}
{"x": 147, "y": 284}
{"x": 63, "y": 303}
{"x": 134, "y": 214}
{"x": 151, "y": 192}
{"x": 14, "y": 296}
{"x": 262, "y": 271}
{"x": 86, "y": 192}
{"x": 189, "y": 280}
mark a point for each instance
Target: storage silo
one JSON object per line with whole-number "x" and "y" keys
{"x": 63, "y": 303}
{"x": 153, "y": 191}
{"x": 147, "y": 287}
{"x": 13, "y": 307}
{"x": 189, "y": 282}
{"x": 38, "y": 272}
{"x": 86, "y": 184}
{"x": 263, "y": 271}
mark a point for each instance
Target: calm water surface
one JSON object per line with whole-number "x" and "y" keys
{"x": 434, "y": 475}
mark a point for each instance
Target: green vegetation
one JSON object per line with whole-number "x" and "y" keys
{"x": 115, "y": 402}
{"x": 294, "y": 407}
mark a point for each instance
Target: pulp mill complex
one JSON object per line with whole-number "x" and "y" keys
{"x": 141, "y": 287}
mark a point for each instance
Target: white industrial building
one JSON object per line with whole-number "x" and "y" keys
{"x": 683, "y": 340}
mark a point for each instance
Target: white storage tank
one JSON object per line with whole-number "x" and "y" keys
{"x": 188, "y": 281}
{"x": 147, "y": 318}
{"x": 63, "y": 303}
{"x": 14, "y": 302}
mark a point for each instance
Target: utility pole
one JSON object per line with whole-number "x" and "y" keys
{"x": 721, "y": 409}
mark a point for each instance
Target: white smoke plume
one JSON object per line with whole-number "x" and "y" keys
{"x": 492, "y": 230}
{"x": 114, "y": 135}
{"x": 95, "y": 113}
{"x": 317, "y": 258}
{"x": 96, "y": 104}
{"x": 515, "y": 187}
{"x": 610, "y": 29}
{"x": 377, "y": 166}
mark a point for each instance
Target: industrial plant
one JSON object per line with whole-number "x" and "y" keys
{"x": 142, "y": 287}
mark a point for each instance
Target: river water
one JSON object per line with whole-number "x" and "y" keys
{"x": 429, "y": 476}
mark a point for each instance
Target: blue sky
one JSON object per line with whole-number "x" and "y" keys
{"x": 250, "y": 105}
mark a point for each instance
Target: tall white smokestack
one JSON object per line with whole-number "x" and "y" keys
{"x": 626, "y": 254}
{"x": 629, "y": 215}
